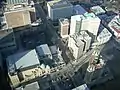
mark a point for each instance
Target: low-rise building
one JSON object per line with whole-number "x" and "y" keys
{"x": 44, "y": 52}
{"x": 19, "y": 15}
{"x": 17, "y": 1}
{"x": 23, "y": 67}
{"x": 97, "y": 10}
{"x": 31, "y": 86}
{"x": 81, "y": 87}
{"x": 103, "y": 35}
{"x": 114, "y": 26}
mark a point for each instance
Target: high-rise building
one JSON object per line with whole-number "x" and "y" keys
{"x": 64, "y": 27}
{"x": 87, "y": 40}
{"x": 87, "y": 21}
{"x": 75, "y": 25}
{"x": 18, "y": 16}
{"x": 90, "y": 22}
{"x": 59, "y": 9}
{"x": 76, "y": 45}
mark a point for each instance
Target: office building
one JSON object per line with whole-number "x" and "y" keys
{"x": 23, "y": 67}
{"x": 103, "y": 35}
{"x": 90, "y": 22}
{"x": 79, "y": 10}
{"x": 82, "y": 87}
{"x": 97, "y": 10}
{"x": 75, "y": 26}
{"x": 7, "y": 40}
{"x": 18, "y": 16}
{"x": 114, "y": 26}
{"x": 44, "y": 52}
{"x": 76, "y": 45}
{"x": 16, "y": 1}
{"x": 59, "y": 9}
{"x": 87, "y": 40}
{"x": 64, "y": 27}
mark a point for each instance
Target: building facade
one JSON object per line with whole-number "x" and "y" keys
{"x": 75, "y": 26}
{"x": 76, "y": 45}
{"x": 87, "y": 40}
{"x": 64, "y": 27}
{"x": 90, "y": 22}
{"x": 59, "y": 9}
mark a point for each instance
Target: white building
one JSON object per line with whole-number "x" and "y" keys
{"x": 114, "y": 25}
{"x": 75, "y": 25}
{"x": 97, "y": 10}
{"x": 59, "y": 9}
{"x": 104, "y": 36}
{"x": 81, "y": 87}
{"x": 90, "y": 22}
{"x": 77, "y": 46}
{"x": 87, "y": 40}
{"x": 64, "y": 27}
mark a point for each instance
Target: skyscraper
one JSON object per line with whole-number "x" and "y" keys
{"x": 75, "y": 25}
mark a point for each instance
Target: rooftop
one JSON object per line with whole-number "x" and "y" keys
{"x": 78, "y": 40}
{"x": 20, "y": 7}
{"x": 79, "y": 10}
{"x": 115, "y": 24}
{"x": 31, "y": 86}
{"x": 64, "y": 21}
{"x": 59, "y": 3}
{"x": 82, "y": 87}
{"x": 85, "y": 16}
{"x": 97, "y": 10}
{"x": 43, "y": 50}
{"x": 22, "y": 60}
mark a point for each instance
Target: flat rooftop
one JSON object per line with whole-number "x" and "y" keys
{"x": 97, "y": 10}
{"x": 22, "y": 60}
{"x": 64, "y": 21}
{"x": 59, "y": 3}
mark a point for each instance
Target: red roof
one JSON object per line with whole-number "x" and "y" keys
{"x": 117, "y": 30}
